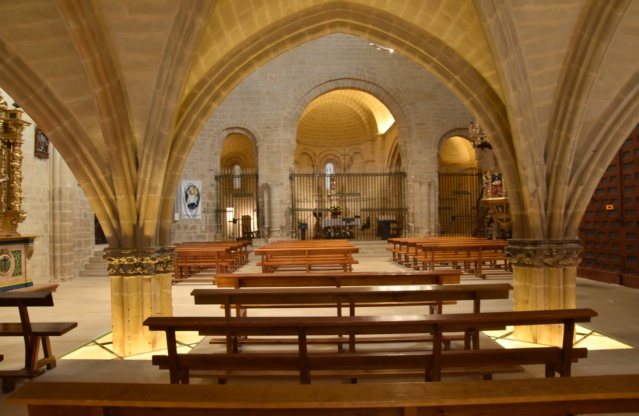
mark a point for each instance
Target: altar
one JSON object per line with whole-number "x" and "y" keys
{"x": 14, "y": 248}
{"x": 14, "y": 252}
{"x": 340, "y": 227}
{"x": 340, "y": 222}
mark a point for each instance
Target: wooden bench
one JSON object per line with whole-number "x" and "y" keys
{"x": 239, "y": 248}
{"x": 473, "y": 255}
{"x": 338, "y": 279}
{"x": 404, "y": 248}
{"x": 307, "y": 255}
{"x": 34, "y": 334}
{"x": 190, "y": 262}
{"x": 350, "y": 297}
{"x": 306, "y": 259}
{"x": 431, "y": 363}
{"x": 219, "y": 257}
{"x": 525, "y": 397}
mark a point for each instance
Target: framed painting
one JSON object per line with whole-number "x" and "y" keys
{"x": 41, "y": 144}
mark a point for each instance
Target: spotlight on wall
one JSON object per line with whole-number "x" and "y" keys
{"x": 15, "y": 105}
{"x": 381, "y": 47}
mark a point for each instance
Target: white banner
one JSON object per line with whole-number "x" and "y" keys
{"x": 191, "y": 197}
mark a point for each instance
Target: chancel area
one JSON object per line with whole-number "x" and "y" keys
{"x": 151, "y": 146}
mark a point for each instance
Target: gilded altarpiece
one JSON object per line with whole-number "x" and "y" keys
{"x": 14, "y": 248}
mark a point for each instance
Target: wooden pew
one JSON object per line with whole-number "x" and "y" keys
{"x": 351, "y": 297}
{"x": 336, "y": 280}
{"x": 526, "y": 397}
{"x": 432, "y": 363}
{"x": 404, "y": 248}
{"x": 307, "y": 255}
{"x": 190, "y": 262}
{"x": 474, "y": 255}
{"x": 239, "y": 248}
{"x": 218, "y": 256}
{"x": 306, "y": 259}
{"x": 34, "y": 334}
{"x": 242, "y": 280}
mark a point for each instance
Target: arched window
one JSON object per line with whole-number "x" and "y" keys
{"x": 237, "y": 180}
{"x": 330, "y": 169}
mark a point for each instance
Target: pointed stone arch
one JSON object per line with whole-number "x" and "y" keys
{"x": 370, "y": 23}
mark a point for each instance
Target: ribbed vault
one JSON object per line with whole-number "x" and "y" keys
{"x": 123, "y": 88}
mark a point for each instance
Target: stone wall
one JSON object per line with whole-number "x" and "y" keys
{"x": 268, "y": 105}
{"x": 58, "y": 213}
{"x": 36, "y": 192}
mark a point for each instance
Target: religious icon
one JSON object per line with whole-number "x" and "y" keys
{"x": 192, "y": 197}
{"x": 41, "y": 145}
{"x": 497, "y": 185}
{"x": 6, "y": 263}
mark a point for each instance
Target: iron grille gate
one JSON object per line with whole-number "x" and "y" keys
{"x": 237, "y": 208}
{"x": 459, "y": 194}
{"x": 367, "y": 205}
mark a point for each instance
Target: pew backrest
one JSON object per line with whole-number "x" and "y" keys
{"x": 351, "y": 296}
{"x": 556, "y": 359}
{"x": 240, "y": 280}
{"x": 526, "y": 396}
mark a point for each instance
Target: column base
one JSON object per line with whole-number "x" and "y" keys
{"x": 141, "y": 286}
{"x": 544, "y": 278}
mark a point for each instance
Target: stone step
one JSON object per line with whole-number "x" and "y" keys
{"x": 97, "y": 258}
{"x": 93, "y": 273}
{"x": 96, "y": 266}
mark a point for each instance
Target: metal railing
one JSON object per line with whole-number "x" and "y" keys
{"x": 357, "y": 205}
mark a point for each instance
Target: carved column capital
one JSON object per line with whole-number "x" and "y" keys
{"x": 544, "y": 253}
{"x": 139, "y": 261}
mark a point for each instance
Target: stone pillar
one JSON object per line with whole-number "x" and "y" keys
{"x": 544, "y": 277}
{"x": 140, "y": 287}
{"x": 62, "y": 241}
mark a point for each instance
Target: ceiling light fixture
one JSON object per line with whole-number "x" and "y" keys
{"x": 381, "y": 47}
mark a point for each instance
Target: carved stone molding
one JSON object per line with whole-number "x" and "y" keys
{"x": 139, "y": 261}
{"x": 544, "y": 253}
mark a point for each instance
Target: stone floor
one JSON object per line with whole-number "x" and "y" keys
{"x": 87, "y": 301}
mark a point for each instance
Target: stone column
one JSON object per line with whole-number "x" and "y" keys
{"x": 62, "y": 241}
{"x": 140, "y": 287}
{"x": 544, "y": 277}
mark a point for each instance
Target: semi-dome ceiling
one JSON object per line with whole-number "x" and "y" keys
{"x": 343, "y": 117}
{"x": 457, "y": 152}
{"x": 237, "y": 150}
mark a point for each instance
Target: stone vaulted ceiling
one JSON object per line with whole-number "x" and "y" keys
{"x": 123, "y": 87}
